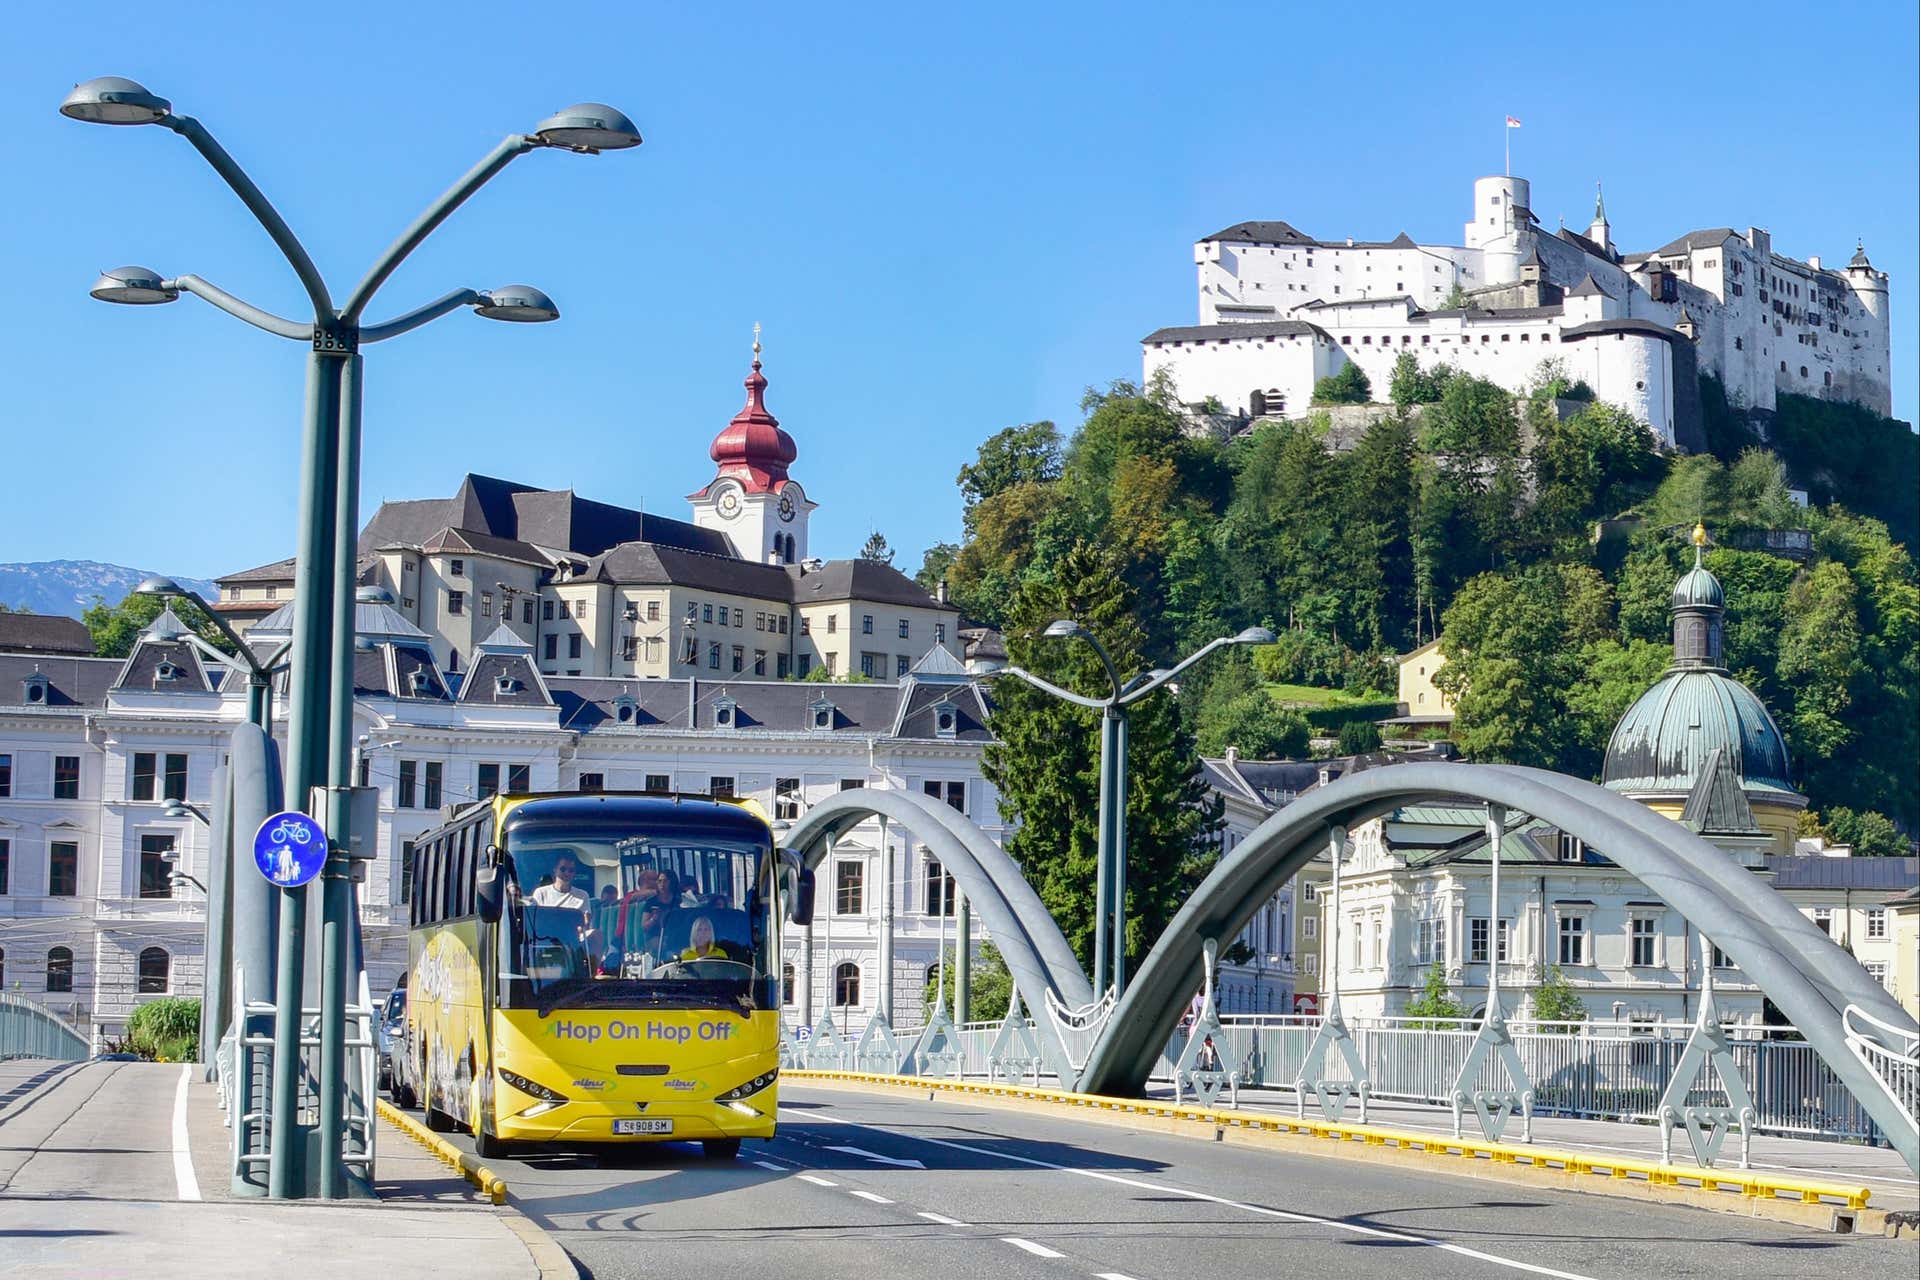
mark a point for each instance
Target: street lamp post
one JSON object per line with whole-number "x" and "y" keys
{"x": 319, "y": 736}
{"x": 260, "y": 672}
{"x": 1110, "y": 878}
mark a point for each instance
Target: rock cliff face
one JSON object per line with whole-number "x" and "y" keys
{"x": 69, "y": 586}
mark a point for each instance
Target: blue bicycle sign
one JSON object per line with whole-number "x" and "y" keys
{"x": 289, "y": 849}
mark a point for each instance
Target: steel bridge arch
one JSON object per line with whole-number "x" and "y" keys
{"x": 1036, "y": 952}
{"x": 1802, "y": 970}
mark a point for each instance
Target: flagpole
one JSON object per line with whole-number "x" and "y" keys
{"x": 1506, "y": 130}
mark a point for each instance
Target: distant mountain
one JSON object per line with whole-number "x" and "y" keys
{"x": 69, "y": 586}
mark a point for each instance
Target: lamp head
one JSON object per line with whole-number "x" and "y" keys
{"x": 1061, "y": 628}
{"x": 519, "y": 303}
{"x": 133, "y": 286}
{"x": 1255, "y": 635}
{"x": 158, "y": 586}
{"x": 588, "y": 127}
{"x": 114, "y": 100}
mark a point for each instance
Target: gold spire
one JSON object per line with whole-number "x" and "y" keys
{"x": 1699, "y": 540}
{"x": 756, "y": 339}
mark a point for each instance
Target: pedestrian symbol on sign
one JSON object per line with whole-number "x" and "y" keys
{"x": 289, "y": 849}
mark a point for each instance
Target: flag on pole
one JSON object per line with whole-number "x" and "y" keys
{"x": 1512, "y": 123}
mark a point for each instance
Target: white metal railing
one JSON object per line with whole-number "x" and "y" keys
{"x": 30, "y": 1030}
{"x": 1891, "y": 1053}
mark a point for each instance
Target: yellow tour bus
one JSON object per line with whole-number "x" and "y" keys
{"x": 598, "y": 968}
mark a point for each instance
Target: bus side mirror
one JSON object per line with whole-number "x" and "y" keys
{"x": 800, "y": 909}
{"x": 488, "y": 891}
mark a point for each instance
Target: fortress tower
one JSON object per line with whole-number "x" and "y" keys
{"x": 1502, "y": 226}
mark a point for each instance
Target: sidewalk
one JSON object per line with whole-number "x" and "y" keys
{"x": 1879, "y": 1168}
{"x": 106, "y": 1171}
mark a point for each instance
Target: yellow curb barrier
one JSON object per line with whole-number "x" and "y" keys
{"x": 490, "y": 1184}
{"x": 1762, "y": 1193}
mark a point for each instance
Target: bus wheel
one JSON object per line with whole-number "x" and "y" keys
{"x": 487, "y": 1146}
{"x": 720, "y": 1148}
{"x": 435, "y": 1119}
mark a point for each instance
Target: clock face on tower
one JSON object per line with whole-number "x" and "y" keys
{"x": 786, "y": 507}
{"x": 729, "y": 503}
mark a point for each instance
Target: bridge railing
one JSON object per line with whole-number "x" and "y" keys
{"x": 29, "y": 1030}
{"x": 1593, "y": 1070}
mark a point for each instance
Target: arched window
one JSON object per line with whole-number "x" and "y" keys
{"x": 60, "y": 969}
{"x": 154, "y": 965}
{"x": 846, "y": 984}
{"x": 786, "y": 984}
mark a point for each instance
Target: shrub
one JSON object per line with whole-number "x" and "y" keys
{"x": 1556, "y": 1001}
{"x": 167, "y": 1029}
{"x": 1436, "y": 1000}
{"x": 1349, "y": 386}
{"x": 1357, "y": 737}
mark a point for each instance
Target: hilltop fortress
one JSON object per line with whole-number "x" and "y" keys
{"x": 1280, "y": 309}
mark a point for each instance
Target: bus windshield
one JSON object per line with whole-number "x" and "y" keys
{"x": 601, "y": 919}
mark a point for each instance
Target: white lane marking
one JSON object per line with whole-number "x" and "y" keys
{"x": 1037, "y": 1250}
{"x": 182, "y": 1153}
{"x": 878, "y": 1159}
{"x": 942, "y": 1219}
{"x": 818, "y": 1182}
{"x": 1284, "y": 1214}
{"x": 868, "y": 1195}
{"x": 768, "y": 1164}
{"x": 1110, "y": 1275}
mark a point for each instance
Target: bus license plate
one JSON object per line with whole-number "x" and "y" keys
{"x": 643, "y": 1126}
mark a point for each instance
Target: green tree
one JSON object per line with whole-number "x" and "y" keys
{"x": 1409, "y": 384}
{"x": 1513, "y": 645}
{"x": 936, "y": 564}
{"x": 1026, "y": 454}
{"x": 1357, "y": 737}
{"x": 1820, "y": 663}
{"x": 1610, "y": 677}
{"x": 1436, "y": 1000}
{"x": 1871, "y": 834}
{"x": 1255, "y": 726}
{"x": 989, "y": 990}
{"x": 876, "y": 549}
{"x": 1555, "y": 1000}
{"x": 115, "y": 627}
{"x": 1348, "y": 386}
{"x": 1043, "y": 760}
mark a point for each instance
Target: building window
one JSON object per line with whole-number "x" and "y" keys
{"x": 63, "y": 869}
{"x": 900, "y": 664}
{"x": 866, "y": 624}
{"x": 713, "y": 656}
{"x": 154, "y": 966}
{"x": 802, "y": 665}
{"x": 904, "y": 629}
{"x": 573, "y": 645}
{"x": 786, "y": 798}
{"x": 66, "y": 777}
{"x": 1876, "y": 922}
{"x": 706, "y": 613}
{"x": 832, "y": 663}
{"x": 1823, "y": 920}
{"x": 954, "y": 793}
{"x": 156, "y": 866}
{"x": 519, "y": 779}
{"x": 1569, "y": 848}
{"x": 456, "y": 602}
{"x": 551, "y": 651}
{"x": 405, "y": 789}
{"x": 660, "y": 783}
{"x": 526, "y": 612}
{"x": 1573, "y": 940}
{"x": 406, "y": 871}
{"x": 1878, "y": 972}
{"x": 546, "y": 611}
{"x": 1310, "y": 928}
{"x": 1477, "y": 935}
{"x": 939, "y": 633}
{"x": 720, "y": 788}
{"x": 60, "y": 969}
{"x": 867, "y": 665}
{"x": 653, "y": 611}
{"x": 846, "y": 984}
{"x": 486, "y": 781}
{"x": 627, "y": 647}
{"x": 936, "y": 889}
{"x": 782, "y": 668}
{"x": 833, "y": 624}
{"x": 1641, "y": 942}
{"x": 786, "y": 983}
{"x": 431, "y": 788}
{"x": 849, "y": 887}
{"x": 6, "y": 859}
{"x": 486, "y": 604}
{"x": 739, "y": 658}
{"x": 1429, "y": 942}
{"x": 175, "y": 783}
{"x": 852, "y": 784}
{"x": 144, "y": 763}
{"x": 6, "y": 775}
{"x": 593, "y": 782}
{"x": 1721, "y": 960}
{"x": 457, "y": 568}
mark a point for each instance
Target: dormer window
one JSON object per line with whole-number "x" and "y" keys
{"x": 625, "y": 709}
{"x": 166, "y": 671}
{"x": 723, "y": 713}
{"x": 419, "y": 682}
{"x": 946, "y": 719}
{"x": 820, "y": 715}
{"x": 34, "y": 690}
{"x": 505, "y": 685}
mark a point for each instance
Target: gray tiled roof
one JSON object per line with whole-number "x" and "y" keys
{"x": 142, "y": 671}
{"x": 590, "y": 704}
{"x": 1706, "y": 239}
{"x": 278, "y": 571}
{"x": 652, "y": 564}
{"x": 1287, "y": 233}
{"x": 483, "y": 682}
{"x": 1843, "y": 873}
{"x": 1251, "y": 329}
{"x": 71, "y": 682}
{"x": 44, "y": 633}
{"x": 1596, "y": 328}
{"x": 860, "y": 580}
{"x": 1588, "y": 288}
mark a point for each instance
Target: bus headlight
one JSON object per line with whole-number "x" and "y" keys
{"x": 750, "y": 1088}
{"x": 534, "y": 1090}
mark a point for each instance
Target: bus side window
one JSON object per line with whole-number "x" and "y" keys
{"x": 457, "y": 874}
{"x": 438, "y": 889}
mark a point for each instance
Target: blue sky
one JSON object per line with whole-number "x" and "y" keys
{"x": 948, "y": 220}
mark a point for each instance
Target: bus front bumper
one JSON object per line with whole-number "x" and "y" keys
{"x": 590, "y": 1121}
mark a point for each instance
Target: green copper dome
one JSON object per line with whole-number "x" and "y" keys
{"x": 1698, "y": 589}
{"x": 1663, "y": 743}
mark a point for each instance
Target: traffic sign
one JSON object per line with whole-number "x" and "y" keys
{"x": 289, "y": 849}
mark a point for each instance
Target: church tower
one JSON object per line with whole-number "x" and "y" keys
{"x": 751, "y": 499}
{"x": 1600, "y": 231}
